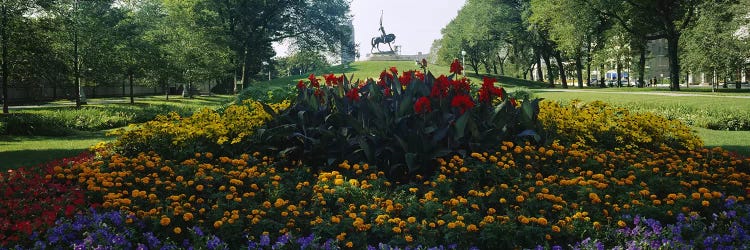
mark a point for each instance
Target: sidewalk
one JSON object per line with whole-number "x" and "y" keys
{"x": 665, "y": 93}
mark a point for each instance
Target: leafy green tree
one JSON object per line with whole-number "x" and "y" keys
{"x": 251, "y": 26}
{"x": 714, "y": 44}
{"x": 657, "y": 19}
{"x": 13, "y": 19}
{"x": 571, "y": 25}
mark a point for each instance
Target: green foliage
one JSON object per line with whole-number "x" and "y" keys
{"x": 400, "y": 124}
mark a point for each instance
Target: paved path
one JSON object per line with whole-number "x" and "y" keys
{"x": 70, "y": 104}
{"x": 645, "y": 93}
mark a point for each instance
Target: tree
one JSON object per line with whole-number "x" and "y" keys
{"x": 12, "y": 16}
{"x": 658, "y": 19}
{"x": 713, "y": 44}
{"x": 251, "y": 26}
{"x": 570, "y": 25}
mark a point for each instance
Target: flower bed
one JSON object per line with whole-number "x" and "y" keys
{"x": 589, "y": 181}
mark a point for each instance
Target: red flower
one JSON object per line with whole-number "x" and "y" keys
{"x": 385, "y": 76}
{"x": 313, "y": 81}
{"x": 488, "y": 90}
{"x": 331, "y": 80}
{"x": 422, "y": 105}
{"x": 456, "y": 67}
{"x": 462, "y": 102}
{"x": 419, "y": 75}
{"x": 394, "y": 70}
{"x": 301, "y": 85}
{"x": 513, "y": 102}
{"x": 353, "y": 94}
{"x": 318, "y": 92}
{"x": 405, "y": 78}
{"x": 460, "y": 86}
{"x": 387, "y": 92}
{"x": 440, "y": 87}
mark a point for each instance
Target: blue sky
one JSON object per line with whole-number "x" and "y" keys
{"x": 416, "y": 23}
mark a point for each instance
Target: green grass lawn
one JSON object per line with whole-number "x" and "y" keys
{"x": 19, "y": 150}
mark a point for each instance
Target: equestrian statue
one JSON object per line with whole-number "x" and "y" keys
{"x": 383, "y": 38}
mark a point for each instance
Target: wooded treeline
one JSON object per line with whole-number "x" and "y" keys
{"x": 512, "y": 36}
{"x": 59, "y": 43}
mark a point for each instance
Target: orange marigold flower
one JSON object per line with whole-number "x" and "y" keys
{"x": 519, "y": 198}
{"x": 165, "y": 221}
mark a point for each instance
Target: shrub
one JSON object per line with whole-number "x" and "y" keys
{"x": 175, "y": 137}
{"x": 35, "y": 124}
{"x": 599, "y": 125}
{"x": 400, "y": 123}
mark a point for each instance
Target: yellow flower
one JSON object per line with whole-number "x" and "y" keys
{"x": 349, "y": 244}
{"x": 621, "y": 223}
{"x": 177, "y": 230}
{"x": 411, "y": 219}
{"x": 472, "y": 228}
{"x": 408, "y": 238}
{"x": 218, "y": 224}
{"x": 187, "y": 216}
{"x": 555, "y": 229}
{"x": 519, "y": 198}
{"x": 165, "y": 221}
{"x": 542, "y": 221}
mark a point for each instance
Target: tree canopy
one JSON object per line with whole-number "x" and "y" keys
{"x": 67, "y": 43}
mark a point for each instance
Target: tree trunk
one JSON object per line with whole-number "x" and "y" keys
{"x": 494, "y": 67}
{"x": 618, "y": 67}
{"x": 5, "y": 59}
{"x": 641, "y": 67}
{"x": 558, "y": 58}
{"x": 588, "y": 64}
{"x": 673, "y": 40}
{"x": 76, "y": 66}
{"x": 601, "y": 76}
{"x": 539, "y": 67}
{"x": 579, "y": 71}
{"x": 130, "y": 80}
{"x": 549, "y": 71}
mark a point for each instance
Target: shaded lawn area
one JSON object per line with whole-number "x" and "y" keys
{"x": 27, "y": 151}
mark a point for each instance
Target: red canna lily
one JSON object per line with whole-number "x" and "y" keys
{"x": 313, "y": 81}
{"x": 440, "y": 87}
{"x": 462, "y": 102}
{"x": 456, "y": 67}
{"x": 301, "y": 85}
{"x": 353, "y": 94}
{"x": 422, "y": 105}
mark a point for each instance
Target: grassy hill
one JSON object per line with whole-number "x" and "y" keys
{"x": 274, "y": 89}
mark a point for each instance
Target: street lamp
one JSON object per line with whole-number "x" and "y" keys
{"x": 265, "y": 65}
{"x": 463, "y": 57}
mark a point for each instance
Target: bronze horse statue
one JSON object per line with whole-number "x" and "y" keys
{"x": 386, "y": 39}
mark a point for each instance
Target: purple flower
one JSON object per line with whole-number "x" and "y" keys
{"x": 265, "y": 240}
{"x": 306, "y": 241}
{"x": 213, "y": 242}
{"x": 198, "y": 231}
